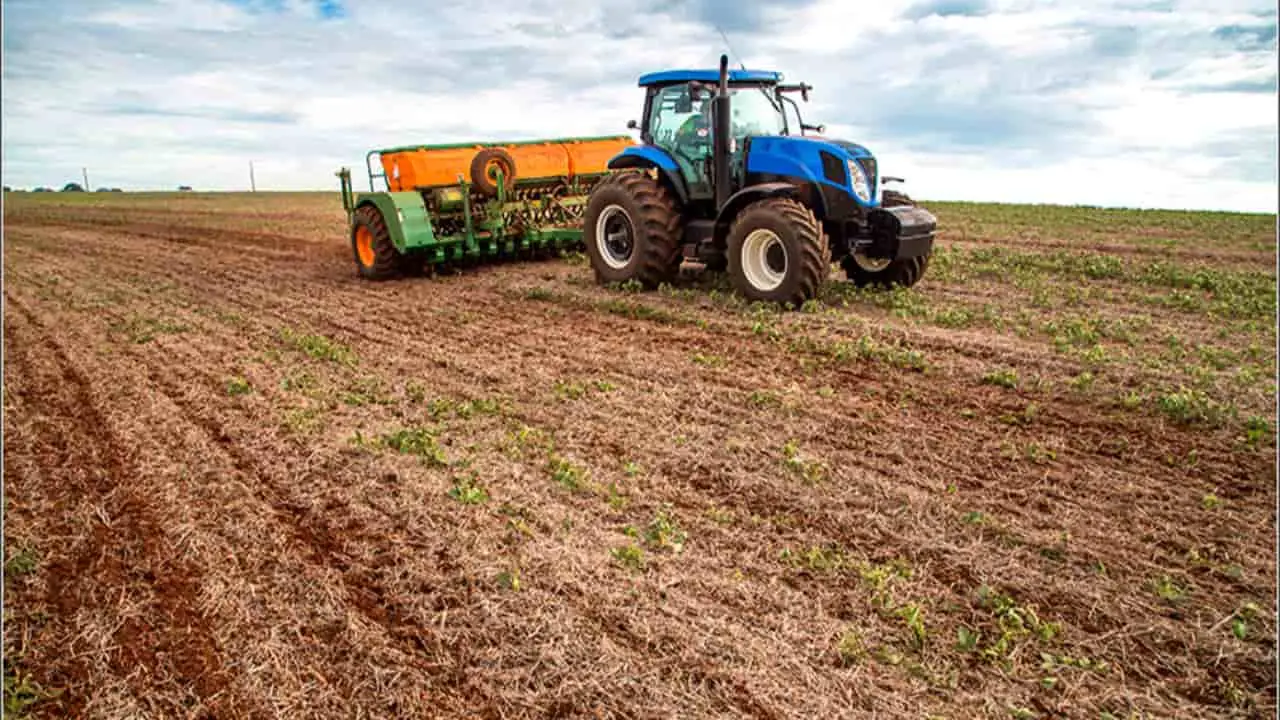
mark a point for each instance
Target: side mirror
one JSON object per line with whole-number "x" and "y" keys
{"x": 632, "y": 124}
{"x": 820, "y": 129}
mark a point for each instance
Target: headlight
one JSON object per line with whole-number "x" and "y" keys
{"x": 861, "y": 187}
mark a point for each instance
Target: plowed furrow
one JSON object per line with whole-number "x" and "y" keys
{"x": 87, "y": 467}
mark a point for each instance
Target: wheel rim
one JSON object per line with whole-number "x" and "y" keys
{"x": 364, "y": 246}
{"x": 491, "y": 172}
{"x": 764, "y": 259}
{"x": 615, "y": 238}
{"x": 870, "y": 264}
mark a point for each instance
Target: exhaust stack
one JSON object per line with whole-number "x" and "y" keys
{"x": 720, "y": 146}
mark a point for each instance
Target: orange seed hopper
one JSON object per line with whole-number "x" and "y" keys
{"x": 532, "y": 162}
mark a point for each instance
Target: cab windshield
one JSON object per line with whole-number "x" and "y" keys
{"x": 755, "y": 111}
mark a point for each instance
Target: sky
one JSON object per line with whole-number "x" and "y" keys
{"x": 1134, "y": 103}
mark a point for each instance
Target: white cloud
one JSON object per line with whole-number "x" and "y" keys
{"x": 1130, "y": 182}
{"x": 1137, "y": 102}
{"x": 162, "y": 15}
{"x": 1179, "y": 122}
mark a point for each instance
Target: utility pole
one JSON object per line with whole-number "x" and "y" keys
{"x": 85, "y": 171}
{"x": 253, "y": 186}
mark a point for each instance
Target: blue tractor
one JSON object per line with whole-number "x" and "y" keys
{"x": 723, "y": 178}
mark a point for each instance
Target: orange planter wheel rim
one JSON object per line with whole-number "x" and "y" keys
{"x": 493, "y": 166}
{"x": 364, "y": 246}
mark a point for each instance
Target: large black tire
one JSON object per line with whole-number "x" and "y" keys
{"x": 633, "y": 230}
{"x": 904, "y": 273}
{"x": 483, "y": 168}
{"x": 778, "y": 252}
{"x": 893, "y": 198}
{"x": 375, "y": 255}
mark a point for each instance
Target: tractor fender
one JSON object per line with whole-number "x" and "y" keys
{"x": 406, "y": 217}
{"x": 647, "y": 156}
{"x": 752, "y": 193}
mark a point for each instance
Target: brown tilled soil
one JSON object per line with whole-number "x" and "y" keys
{"x": 240, "y": 482}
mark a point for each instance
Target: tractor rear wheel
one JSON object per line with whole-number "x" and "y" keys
{"x": 864, "y": 270}
{"x": 376, "y": 256}
{"x": 778, "y": 252}
{"x": 632, "y": 230}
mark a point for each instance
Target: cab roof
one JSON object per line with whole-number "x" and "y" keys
{"x": 664, "y": 77}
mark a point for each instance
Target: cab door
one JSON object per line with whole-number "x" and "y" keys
{"x": 683, "y": 128}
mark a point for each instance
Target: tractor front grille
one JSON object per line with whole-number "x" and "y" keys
{"x": 833, "y": 168}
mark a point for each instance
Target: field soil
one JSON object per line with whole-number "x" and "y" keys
{"x": 241, "y": 482}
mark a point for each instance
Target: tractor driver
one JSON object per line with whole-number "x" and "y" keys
{"x": 696, "y": 131}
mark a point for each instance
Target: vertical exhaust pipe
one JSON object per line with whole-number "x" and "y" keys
{"x": 720, "y": 145}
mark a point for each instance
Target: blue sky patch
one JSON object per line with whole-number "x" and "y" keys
{"x": 947, "y": 8}
{"x": 257, "y": 6}
{"x": 330, "y": 9}
{"x": 326, "y": 9}
{"x": 1248, "y": 37}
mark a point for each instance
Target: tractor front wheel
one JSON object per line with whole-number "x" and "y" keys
{"x": 863, "y": 270}
{"x": 376, "y": 256}
{"x": 632, "y": 230}
{"x": 778, "y": 252}
{"x": 893, "y": 198}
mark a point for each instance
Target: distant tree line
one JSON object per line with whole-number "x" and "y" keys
{"x": 77, "y": 187}
{"x": 69, "y": 187}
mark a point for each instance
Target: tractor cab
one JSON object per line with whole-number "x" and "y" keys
{"x": 679, "y": 119}
{"x": 725, "y": 177}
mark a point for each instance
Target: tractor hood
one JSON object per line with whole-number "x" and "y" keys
{"x": 859, "y": 154}
{"x": 826, "y": 161}
{"x": 852, "y": 148}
